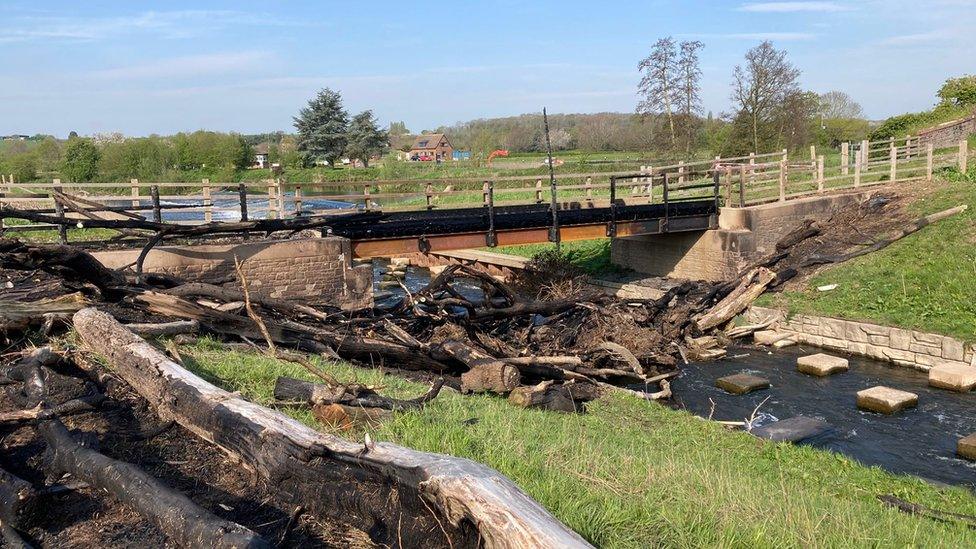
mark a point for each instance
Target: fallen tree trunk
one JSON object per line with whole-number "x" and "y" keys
{"x": 331, "y": 476}
{"x": 184, "y": 522}
{"x": 565, "y": 397}
{"x": 750, "y": 288}
{"x": 486, "y": 374}
{"x": 39, "y": 412}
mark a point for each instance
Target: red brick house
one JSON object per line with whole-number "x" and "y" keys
{"x": 431, "y": 147}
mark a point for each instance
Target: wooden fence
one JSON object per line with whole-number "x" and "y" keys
{"x": 744, "y": 181}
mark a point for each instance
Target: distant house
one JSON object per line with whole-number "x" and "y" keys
{"x": 432, "y": 147}
{"x": 261, "y": 155}
{"x": 16, "y": 137}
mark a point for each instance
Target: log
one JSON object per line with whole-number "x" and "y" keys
{"x": 165, "y": 328}
{"x": 751, "y": 287}
{"x": 39, "y": 412}
{"x": 19, "y": 315}
{"x": 377, "y": 489}
{"x": 347, "y": 417}
{"x": 566, "y": 397}
{"x": 490, "y": 377}
{"x": 30, "y": 371}
{"x": 485, "y": 374}
{"x": 16, "y": 499}
{"x": 183, "y": 522}
{"x": 547, "y": 360}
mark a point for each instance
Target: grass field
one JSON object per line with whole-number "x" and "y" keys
{"x": 926, "y": 281}
{"x": 632, "y": 473}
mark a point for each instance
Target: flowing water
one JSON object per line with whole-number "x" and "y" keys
{"x": 919, "y": 441}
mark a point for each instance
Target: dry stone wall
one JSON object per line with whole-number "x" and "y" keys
{"x": 318, "y": 270}
{"x": 911, "y": 348}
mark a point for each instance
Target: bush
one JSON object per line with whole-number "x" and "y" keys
{"x": 23, "y": 167}
{"x": 80, "y": 162}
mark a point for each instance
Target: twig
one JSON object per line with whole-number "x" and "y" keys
{"x": 291, "y": 522}
{"x": 250, "y": 310}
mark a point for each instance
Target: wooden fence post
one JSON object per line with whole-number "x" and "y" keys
{"x": 681, "y": 172}
{"x": 366, "y": 196}
{"x": 538, "y": 191}
{"x": 728, "y": 186}
{"x": 298, "y": 200}
{"x": 782, "y": 180}
{"x": 752, "y": 167}
{"x": 484, "y": 193}
{"x": 207, "y": 202}
{"x": 429, "y": 195}
{"x": 242, "y": 196}
{"x": 820, "y": 173}
{"x": 280, "y": 191}
{"x": 893, "y": 161}
{"x": 589, "y": 191}
{"x": 865, "y": 155}
{"x": 272, "y": 203}
{"x": 650, "y": 185}
{"x": 963, "y": 155}
{"x": 134, "y": 192}
{"x": 857, "y": 172}
{"x": 929, "y": 150}
{"x": 742, "y": 185}
{"x": 813, "y": 153}
{"x": 845, "y": 157}
{"x": 59, "y": 211}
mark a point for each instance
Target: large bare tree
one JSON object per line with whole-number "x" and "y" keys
{"x": 659, "y": 86}
{"x": 761, "y": 87}
{"x": 690, "y": 77}
{"x": 836, "y": 105}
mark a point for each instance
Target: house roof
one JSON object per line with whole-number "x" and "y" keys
{"x": 262, "y": 148}
{"x": 428, "y": 141}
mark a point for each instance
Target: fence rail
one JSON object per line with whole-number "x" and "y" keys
{"x": 736, "y": 182}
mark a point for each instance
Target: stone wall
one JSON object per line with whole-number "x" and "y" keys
{"x": 950, "y": 133}
{"x": 898, "y": 346}
{"x": 318, "y": 270}
{"x": 744, "y": 235}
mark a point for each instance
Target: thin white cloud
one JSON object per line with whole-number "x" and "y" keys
{"x": 166, "y": 24}
{"x": 189, "y": 66}
{"x": 917, "y": 39}
{"x": 794, "y": 7}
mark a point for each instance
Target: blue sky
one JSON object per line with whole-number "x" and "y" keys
{"x": 148, "y": 67}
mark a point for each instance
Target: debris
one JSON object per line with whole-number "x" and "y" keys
{"x": 827, "y": 287}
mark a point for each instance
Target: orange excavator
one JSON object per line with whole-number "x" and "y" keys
{"x": 496, "y": 153}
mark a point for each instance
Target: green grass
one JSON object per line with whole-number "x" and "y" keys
{"x": 926, "y": 281}
{"x": 632, "y": 473}
{"x": 592, "y": 256}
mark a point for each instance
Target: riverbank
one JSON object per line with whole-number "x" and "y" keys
{"x": 633, "y": 473}
{"x": 923, "y": 282}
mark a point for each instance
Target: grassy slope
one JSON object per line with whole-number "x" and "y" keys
{"x": 636, "y": 474}
{"x": 925, "y": 281}
{"x": 593, "y": 256}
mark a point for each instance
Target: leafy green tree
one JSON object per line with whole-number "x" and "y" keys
{"x": 365, "y": 138}
{"x": 23, "y": 167}
{"x": 322, "y": 127}
{"x": 80, "y": 161}
{"x": 960, "y": 92}
{"x": 48, "y": 153}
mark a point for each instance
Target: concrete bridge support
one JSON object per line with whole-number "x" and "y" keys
{"x": 744, "y": 236}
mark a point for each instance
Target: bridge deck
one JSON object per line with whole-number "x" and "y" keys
{"x": 395, "y": 233}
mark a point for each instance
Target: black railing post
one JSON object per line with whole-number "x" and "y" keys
{"x": 491, "y": 239}
{"x": 612, "y": 224}
{"x": 664, "y": 194}
{"x": 242, "y": 193}
{"x": 156, "y": 208}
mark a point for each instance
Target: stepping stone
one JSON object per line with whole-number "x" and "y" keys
{"x": 955, "y": 377}
{"x": 768, "y": 337}
{"x": 793, "y": 429}
{"x": 966, "y": 447}
{"x": 740, "y": 384}
{"x": 885, "y": 400}
{"x": 784, "y": 343}
{"x": 399, "y": 262}
{"x": 821, "y": 364}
